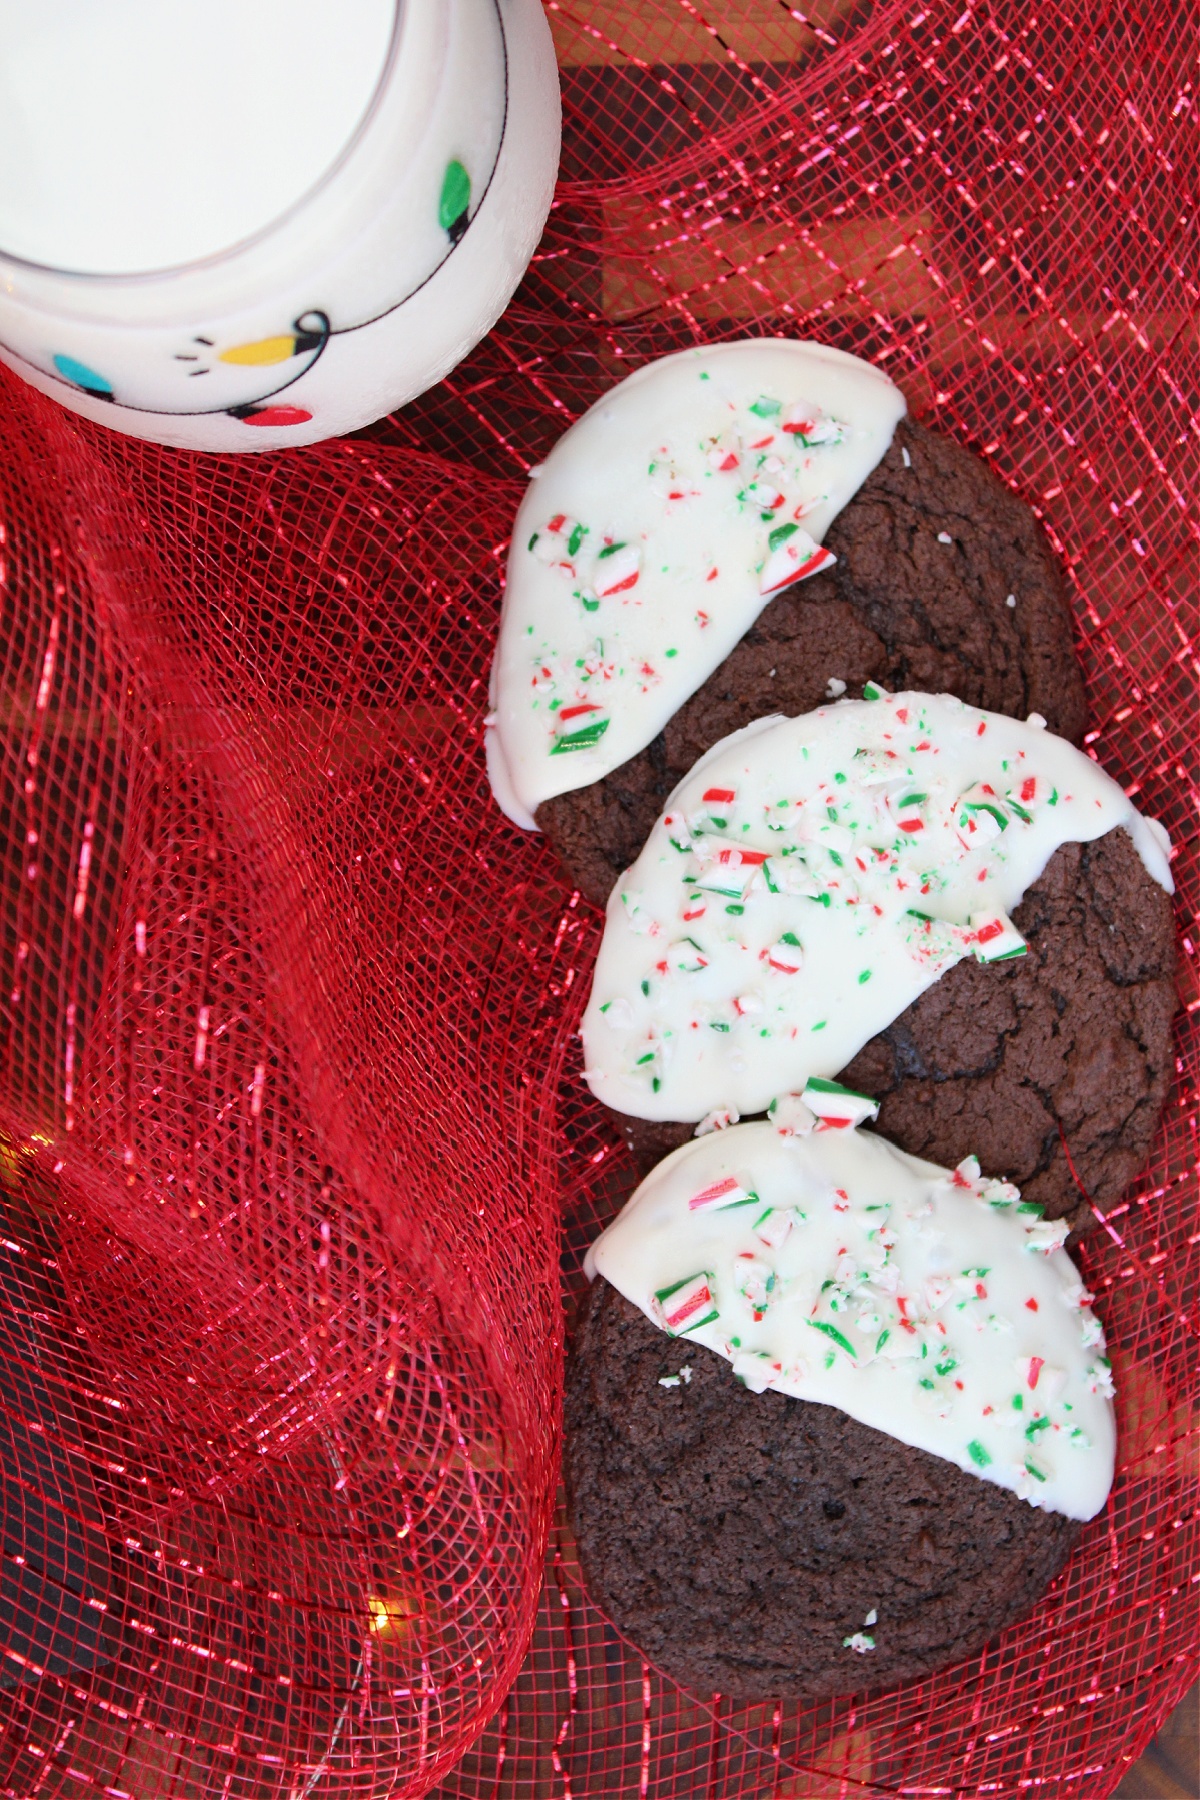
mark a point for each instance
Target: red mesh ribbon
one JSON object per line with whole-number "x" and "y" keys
{"x": 292, "y": 1109}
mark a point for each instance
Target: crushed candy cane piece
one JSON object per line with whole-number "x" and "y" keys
{"x": 764, "y": 495}
{"x": 722, "y": 1194}
{"x": 1099, "y": 1378}
{"x": 810, "y": 427}
{"x": 999, "y": 1194}
{"x": 909, "y": 812}
{"x": 773, "y": 1226}
{"x": 791, "y": 556}
{"x": 992, "y": 937}
{"x": 1045, "y": 1235}
{"x": 981, "y": 815}
{"x": 790, "y": 1116}
{"x": 720, "y": 1119}
{"x": 687, "y": 1304}
{"x": 617, "y": 569}
{"x": 837, "y": 1107}
{"x": 1041, "y": 1378}
{"x": 580, "y": 737}
{"x": 786, "y": 954}
{"x": 559, "y": 540}
{"x": 754, "y": 1369}
{"x": 756, "y": 1282}
{"x": 725, "y": 454}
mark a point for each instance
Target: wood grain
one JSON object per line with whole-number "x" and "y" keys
{"x": 617, "y": 32}
{"x": 1170, "y": 1769}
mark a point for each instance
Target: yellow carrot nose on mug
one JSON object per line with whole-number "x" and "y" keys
{"x": 242, "y": 224}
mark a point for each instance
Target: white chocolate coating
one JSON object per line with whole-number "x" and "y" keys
{"x": 928, "y": 1305}
{"x": 654, "y": 534}
{"x": 811, "y": 877}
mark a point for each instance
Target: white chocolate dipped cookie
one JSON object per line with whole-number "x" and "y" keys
{"x": 934, "y": 1306}
{"x": 653, "y": 535}
{"x": 812, "y": 878}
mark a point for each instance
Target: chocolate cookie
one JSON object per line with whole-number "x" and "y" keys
{"x": 900, "y": 607}
{"x": 1060, "y": 1057}
{"x": 760, "y": 1546}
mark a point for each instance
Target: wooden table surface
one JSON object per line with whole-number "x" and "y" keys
{"x": 1170, "y": 1769}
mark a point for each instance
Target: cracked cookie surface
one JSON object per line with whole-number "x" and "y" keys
{"x": 740, "y": 1539}
{"x": 1051, "y": 1068}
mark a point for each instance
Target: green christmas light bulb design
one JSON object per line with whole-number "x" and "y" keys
{"x": 455, "y": 201}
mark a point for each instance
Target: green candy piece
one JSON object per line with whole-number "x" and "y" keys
{"x": 833, "y": 1332}
{"x": 820, "y": 1085}
{"x": 582, "y": 739}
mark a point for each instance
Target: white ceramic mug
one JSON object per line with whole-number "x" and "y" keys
{"x": 368, "y": 286}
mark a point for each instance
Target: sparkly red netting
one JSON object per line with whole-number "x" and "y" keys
{"x": 291, "y": 1105}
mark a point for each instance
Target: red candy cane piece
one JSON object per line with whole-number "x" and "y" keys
{"x": 687, "y": 1304}
{"x": 736, "y": 858}
{"x": 721, "y": 1195}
